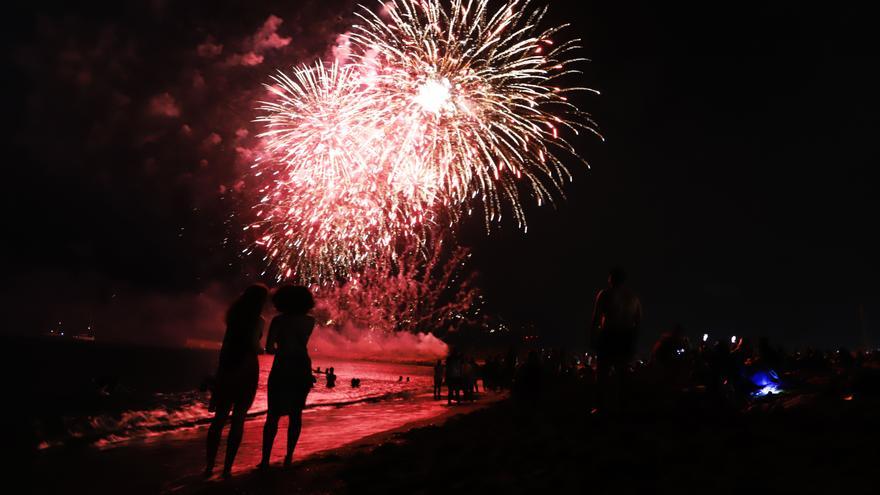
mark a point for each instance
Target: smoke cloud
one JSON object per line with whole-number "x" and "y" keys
{"x": 354, "y": 343}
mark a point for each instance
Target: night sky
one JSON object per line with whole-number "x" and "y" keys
{"x": 736, "y": 184}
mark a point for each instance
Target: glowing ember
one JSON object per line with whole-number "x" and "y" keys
{"x": 477, "y": 95}
{"x": 331, "y": 201}
{"x": 443, "y": 106}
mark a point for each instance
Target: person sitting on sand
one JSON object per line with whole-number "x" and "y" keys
{"x": 291, "y": 377}
{"x": 237, "y": 374}
{"x": 617, "y": 316}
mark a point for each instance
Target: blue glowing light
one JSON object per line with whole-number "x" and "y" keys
{"x": 767, "y": 383}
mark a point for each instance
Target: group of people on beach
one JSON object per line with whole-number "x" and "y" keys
{"x": 290, "y": 378}
{"x": 732, "y": 371}
{"x": 460, "y": 374}
{"x": 715, "y": 366}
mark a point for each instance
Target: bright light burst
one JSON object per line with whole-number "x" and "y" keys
{"x": 477, "y": 94}
{"x": 330, "y": 202}
{"x": 446, "y": 106}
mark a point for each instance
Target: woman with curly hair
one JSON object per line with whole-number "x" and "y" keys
{"x": 291, "y": 377}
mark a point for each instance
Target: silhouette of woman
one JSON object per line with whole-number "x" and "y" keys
{"x": 291, "y": 377}
{"x": 237, "y": 373}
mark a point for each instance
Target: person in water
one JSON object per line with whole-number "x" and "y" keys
{"x": 291, "y": 376}
{"x": 331, "y": 377}
{"x": 237, "y": 374}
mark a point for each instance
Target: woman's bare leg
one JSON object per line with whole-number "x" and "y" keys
{"x": 214, "y": 433}
{"x": 294, "y": 427}
{"x": 269, "y": 431}
{"x": 236, "y": 430}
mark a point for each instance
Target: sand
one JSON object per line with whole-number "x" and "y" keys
{"x": 792, "y": 444}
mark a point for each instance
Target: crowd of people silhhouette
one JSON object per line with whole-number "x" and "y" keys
{"x": 290, "y": 380}
{"x": 462, "y": 375}
{"x": 727, "y": 372}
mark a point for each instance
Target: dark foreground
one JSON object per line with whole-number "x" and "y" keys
{"x": 691, "y": 424}
{"x": 798, "y": 444}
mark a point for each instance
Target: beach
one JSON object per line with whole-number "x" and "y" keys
{"x": 788, "y": 444}
{"x": 816, "y": 434}
{"x": 173, "y": 462}
{"x": 146, "y": 433}
{"x": 797, "y": 442}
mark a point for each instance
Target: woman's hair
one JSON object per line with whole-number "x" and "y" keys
{"x": 247, "y": 308}
{"x": 617, "y": 275}
{"x": 294, "y": 299}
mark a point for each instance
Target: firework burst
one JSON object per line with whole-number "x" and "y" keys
{"x": 330, "y": 203}
{"x": 445, "y": 106}
{"x": 476, "y": 95}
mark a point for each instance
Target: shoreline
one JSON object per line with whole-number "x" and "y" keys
{"x": 314, "y": 472}
{"x": 172, "y": 462}
{"x": 557, "y": 446}
{"x": 76, "y": 410}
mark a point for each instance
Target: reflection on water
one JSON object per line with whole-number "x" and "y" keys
{"x": 172, "y": 458}
{"x": 179, "y": 410}
{"x": 328, "y": 428}
{"x": 377, "y": 380}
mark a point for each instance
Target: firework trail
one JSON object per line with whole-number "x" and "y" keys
{"x": 446, "y": 106}
{"x": 330, "y": 203}
{"x": 474, "y": 93}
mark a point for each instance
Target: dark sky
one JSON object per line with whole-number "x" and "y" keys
{"x": 736, "y": 183}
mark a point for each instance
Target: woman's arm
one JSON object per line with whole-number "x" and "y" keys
{"x": 272, "y": 338}
{"x": 258, "y": 333}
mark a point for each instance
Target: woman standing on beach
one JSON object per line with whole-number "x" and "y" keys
{"x": 291, "y": 377}
{"x": 237, "y": 373}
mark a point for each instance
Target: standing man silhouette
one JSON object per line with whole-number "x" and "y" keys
{"x": 617, "y": 316}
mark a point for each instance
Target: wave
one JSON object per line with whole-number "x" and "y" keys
{"x": 181, "y": 412}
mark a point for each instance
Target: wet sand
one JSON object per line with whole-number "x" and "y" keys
{"x": 804, "y": 444}
{"x": 820, "y": 441}
{"x": 173, "y": 462}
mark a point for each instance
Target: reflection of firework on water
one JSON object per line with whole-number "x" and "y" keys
{"x": 443, "y": 106}
{"x": 475, "y": 94}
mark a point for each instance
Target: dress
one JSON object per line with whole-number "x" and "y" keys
{"x": 239, "y": 369}
{"x": 291, "y": 377}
